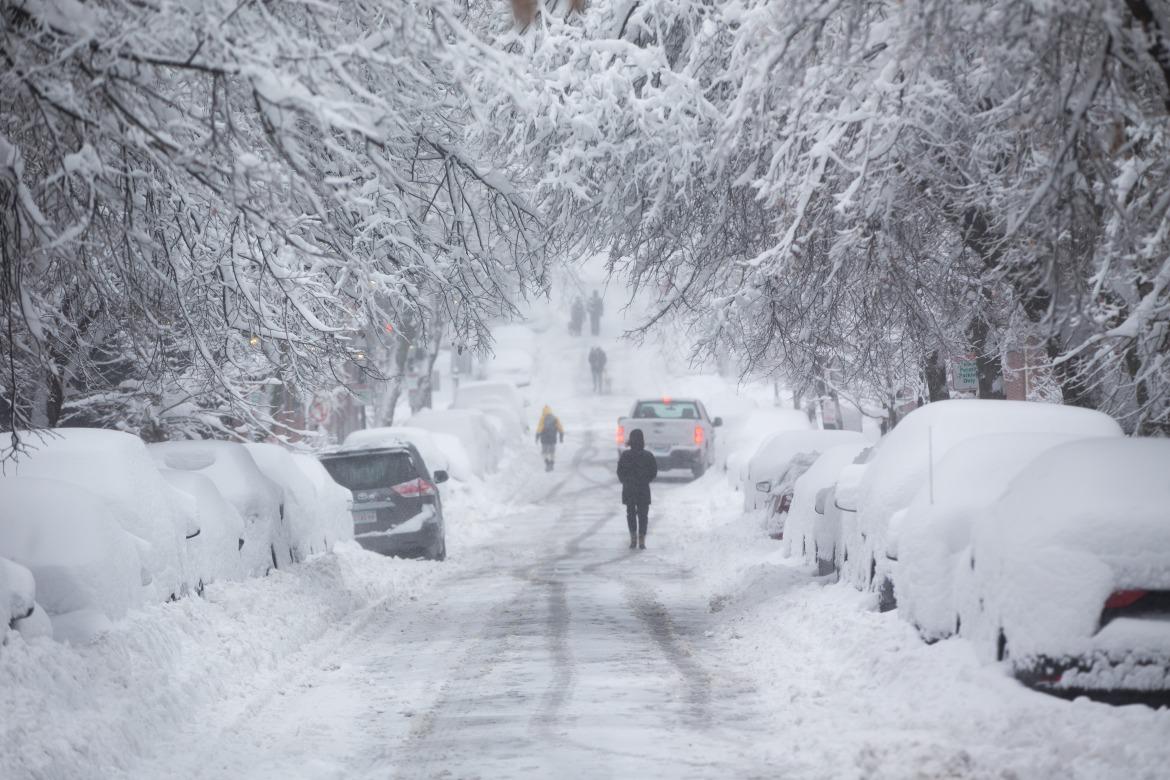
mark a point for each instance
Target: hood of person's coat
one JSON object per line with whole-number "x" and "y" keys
{"x": 637, "y": 440}
{"x": 545, "y": 412}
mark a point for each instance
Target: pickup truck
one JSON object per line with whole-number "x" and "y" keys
{"x": 678, "y": 431}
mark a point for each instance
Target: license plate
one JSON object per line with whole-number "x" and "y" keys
{"x": 365, "y": 518}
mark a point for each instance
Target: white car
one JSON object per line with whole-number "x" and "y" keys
{"x": 258, "y": 500}
{"x": 934, "y": 531}
{"x": 1067, "y": 578}
{"x": 809, "y": 530}
{"x": 904, "y": 458}
{"x": 499, "y": 400}
{"x": 765, "y": 485}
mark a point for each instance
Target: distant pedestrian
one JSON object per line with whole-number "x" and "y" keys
{"x": 548, "y": 432}
{"x": 597, "y": 367}
{"x": 595, "y": 309}
{"x": 636, "y": 469}
{"x": 576, "y": 316}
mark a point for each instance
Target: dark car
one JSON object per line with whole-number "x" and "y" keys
{"x": 396, "y": 505}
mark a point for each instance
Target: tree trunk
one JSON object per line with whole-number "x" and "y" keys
{"x": 935, "y": 371}
{"x": 988, "y": 364}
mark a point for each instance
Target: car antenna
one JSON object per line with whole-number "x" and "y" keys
{"x": 930, "y": 460}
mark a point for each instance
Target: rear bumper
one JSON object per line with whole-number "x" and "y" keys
{"x": 1100, "y": 672}
{"x": 409, "y": 544}
{"x": 677, "y": 458}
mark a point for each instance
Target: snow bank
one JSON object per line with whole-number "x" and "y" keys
{"x": 17, "y": 594}
{"x": 257, "y": 499}
{"x": 80, "y": 558}
{"x": 186, "y": 668}
{"x": 1081, "y": 521}
{"x": 117, "y": 467}
{"x": 936, "y": 527}
{"x": 472, "y": 428}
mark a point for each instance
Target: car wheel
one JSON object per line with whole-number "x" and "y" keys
{"x": 1001, "y": 646}
{"x": 886, "y": 600}
{"x": 440, "y": 553}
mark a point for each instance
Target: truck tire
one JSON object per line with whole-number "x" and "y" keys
{"x": 698, "y": 468}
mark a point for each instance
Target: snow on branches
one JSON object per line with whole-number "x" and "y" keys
{"x": 199, "y": 201}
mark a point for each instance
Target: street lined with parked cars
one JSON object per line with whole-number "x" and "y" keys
{"x": 1038, "y": 532}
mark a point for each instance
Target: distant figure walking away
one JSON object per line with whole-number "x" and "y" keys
{"x": 636, "y": 469}
{"x": 548, "y": 431}
{"x": 595, "y": 310}
{"x": 597, "y": 366}
{"x": 576, "y": 316}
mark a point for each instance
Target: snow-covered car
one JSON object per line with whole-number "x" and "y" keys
{"x": 258, "y": 500}
{"x": 472, "y": 428}
{"x": 1068, "y": 574}
{"x": 441, "y": 451}
{"x": 678, "y": 432}
{"x": 86, "y": 569}
{"x": 214, "y": 552}
{"x": 499, "y": 400}
{"x": 812, "y": 526}
{"x": 766, "y": 486}
{"x": 334, "y": 501}
{"x": 904, "y": 458}
{"x": 743, "y": 434}
{"x": 396, "y": 507}
{"x": 308, "y": 530}
{"x": 17, "y": 595}
{"x": 927, "y": 539}
{"x": 117, "y": 467}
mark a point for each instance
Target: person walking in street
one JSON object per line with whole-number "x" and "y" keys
{"x": 576, "y": 316}
{"x": 548, "y": 431}
{"x": 597, "y": 366}
{"x": 636, "y": 469}
{"x": 595, "y": 310}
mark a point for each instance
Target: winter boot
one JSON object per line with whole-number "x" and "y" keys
{"x": 633, "y": 541}
{"x": 641, "y": 541}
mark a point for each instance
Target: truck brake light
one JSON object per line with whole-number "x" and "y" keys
{"x": 699, "y": 434}
{"x": 621, "y": 435}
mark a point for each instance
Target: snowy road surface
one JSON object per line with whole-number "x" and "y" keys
{"x": 580, "y": 656}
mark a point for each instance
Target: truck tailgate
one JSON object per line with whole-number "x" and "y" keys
{"x": 663, "y": 435}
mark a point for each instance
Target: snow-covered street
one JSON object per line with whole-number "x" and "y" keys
{"x": 544, "y": 647}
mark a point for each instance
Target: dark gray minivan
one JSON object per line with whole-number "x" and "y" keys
{"x": 396, "y": 505}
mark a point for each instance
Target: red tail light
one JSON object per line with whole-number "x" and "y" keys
{"x": 621, "y": 436}
{"x": 415, "y": 488}
{"x": 1124, "y": 598}
{"x": 698, "y": 434}
{"x": 784, "y": 503}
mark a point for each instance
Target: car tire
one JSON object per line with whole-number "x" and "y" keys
{"x": 698, "y": 469}
{"x": 440, "y": 553}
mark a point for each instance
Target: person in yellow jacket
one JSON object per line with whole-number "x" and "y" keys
{"x": 548, "y": 431}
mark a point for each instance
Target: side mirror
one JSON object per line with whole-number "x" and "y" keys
{"x": 717, "y": 422}
{"x": 848, "y": 487}
{"x": 822, "y": 499}
{"x": 440, "y": 477}
{"x": 764, "y": 487}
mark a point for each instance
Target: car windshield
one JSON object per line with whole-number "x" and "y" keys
{"x": 669, "y": 410}
{"x": 367, "y": 471}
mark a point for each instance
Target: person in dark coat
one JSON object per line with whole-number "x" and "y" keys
{"x": 636, "y": 469}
